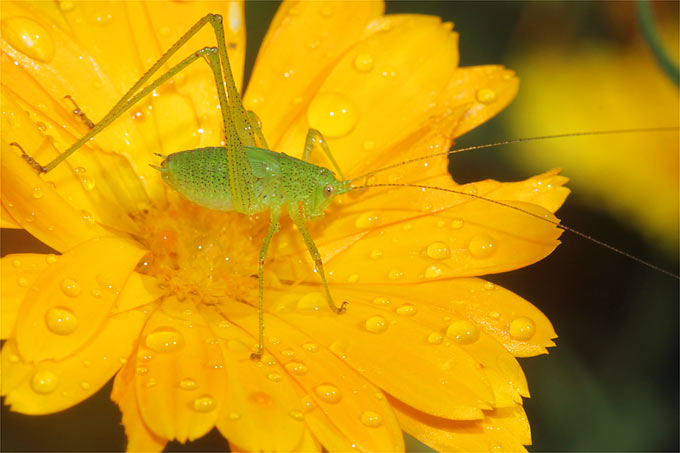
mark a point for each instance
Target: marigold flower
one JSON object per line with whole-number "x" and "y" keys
{"x": 161, "y": 294}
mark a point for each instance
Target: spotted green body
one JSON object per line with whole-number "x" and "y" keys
{"x": 202, "y": 176}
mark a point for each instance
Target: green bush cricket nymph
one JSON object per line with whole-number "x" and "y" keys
{"x": 244, "y": 175}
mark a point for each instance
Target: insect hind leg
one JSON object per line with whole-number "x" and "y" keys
{"x": 77, "y": 111}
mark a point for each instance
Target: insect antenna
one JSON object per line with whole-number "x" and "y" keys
{"x": 558, "y": 224}
{"x": 518, "y": 140}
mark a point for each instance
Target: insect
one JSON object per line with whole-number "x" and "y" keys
{"x": 246, "y": 150}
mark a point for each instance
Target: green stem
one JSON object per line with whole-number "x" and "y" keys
{"x": 647, "y": 25}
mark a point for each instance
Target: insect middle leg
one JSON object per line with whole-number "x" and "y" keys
{"x": 294, "y": 214}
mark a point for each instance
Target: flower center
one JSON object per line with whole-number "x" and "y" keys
{"x": 200, "y": 253}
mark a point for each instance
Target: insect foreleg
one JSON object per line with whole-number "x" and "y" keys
{"x": 294, "y": 214}
{"x": 314, "y": 137}
{"x": 273, "y": 228}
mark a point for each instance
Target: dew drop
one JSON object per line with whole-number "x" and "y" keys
{"x": 29, "y": 38}
{"x": 463, "y": 331}
{"x": 16, "y": 263}
{"x": 70, "y": 287}
{"x": 311, "y": 347}
{"x": 164, "y": 339}
{"x": 381, "y": 301}
{"x": 61, "y": 320}
{"x": 51, "y": 259}
{"x": 395, "y": 274}
{"x": 438, "y": 251}
{"x": 363, "y": 62}
{"x": 13, "y": 358}
{"x": 376, "y": 324}
{"x": 375, "y": 254}
{"x": 486, "y": 95}
{"x": 307, "y": 403}
{"x": 85, "y": 385}
{"x": 489, "y": 286}
{"x": 87, "y": 182}
{"x": 435, "y": 338}
{"x": 433, "y": 271}
{"x": 288, "y": 353}
{"x": 23, "y": 282}
{"x": 142, "y": 370}
{"x": 204, "y": 404}
{"x": 150, "y": 383}
{"x": 37, "y": 193}
{"x": 274, "y": 377}
{"x": 261, "y": 398}
{"x": 66, "y": 6}
{"x": 310, "y": 303}
{"x": 371, "y": 419}
{"x": 339, "y": 348}
{"x": 234, "y": 416}
{"x": 297, "y": 368}
{"x": 87, "y": 217}
{"x": 482, "y": 245}
{"x": 44, "y": 382}
{"x": 333, "y": 114}
{"x": 494, "y": 315}
{"x": 522, "y": 328}
{"x": 406, "y": 310}
{"x": 367, "y": 220}
{"x": 188, "y": 384}
{"x": 328, "y": 393}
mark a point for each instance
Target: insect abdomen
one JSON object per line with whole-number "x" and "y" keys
{"x": 201, "y": 175}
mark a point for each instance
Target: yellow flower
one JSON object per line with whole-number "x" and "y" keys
{"x": 161, "y": 293}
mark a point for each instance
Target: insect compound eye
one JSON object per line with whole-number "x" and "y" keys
{"x": 328, "y": 190}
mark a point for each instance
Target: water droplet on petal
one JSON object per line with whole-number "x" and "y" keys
{"x": 23, "y": 282}
{"x": 363, "y": 62}
{"x": 406, "y": 310}
{"x": 44, "y": 382}
{"x": 381, "y": 301}
{"x": 307, "y": 403}
{"x": 205, "y": 403}
{"x": 395, "y": 274}
{"x": 310, "y": 303}
{"x": 376, "y": 324}
{"x": 522, "y": 328}
{"x": 261, "y": 398}
{"x": 29, "y": 38}
{"x": 164, "y": 339}
{"x": 37, "y": 193}
{"x": 85, "y": 385}
{"x": 353, "y": 278}
{"x": 142, "y": 370}
{"x": 494, "y": 315}
{"x": 13, "y": 358}
{"x": 297, "y": 415}
{"x": 61, "y": 320}
{"x": 433, "y": 271}
{"x": 486, "y": 96}
{"x": 371, "y": 419}
{"x": 234, "y": 416}
{"x": 435, "y": 338}
{"x": 66, "y": 6}
{"x": 489, "y": 286}
{"x": 188, "y": 384}
{"x": 274, "y": 377}
{"x": 333, "y": 114}
{"x": 375, "y": 254}
{"x": 328, "y": 393}
{"x": 481, "y": 245}
{"x": 70, "y": 287}
{"x": 288, "y": 353}
{"x": 51, "y": 259}
{"x": 310, "y": 347}
{"x": 463, "y": 331}
{"x": 297, "y": 368}
{"x": 367, "y": 220}
{"x": 438, "y": 251}
{"x": 87, "y": 182}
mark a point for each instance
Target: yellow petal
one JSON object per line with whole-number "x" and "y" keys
{"x": 500, "y": 430}
{"x": 491, "y": 307}
{"x": 32, "y": 202}
{"x": 443, "y": 381}
{"x": 449, "y": 332}
{"x": 70, "y": 300}
{"x": 139, "y": 437}
{"x": 50, "y": 386}
{"x": 361, "y": 112}
{"x": 262, "y": 411}
{"x": 546, "y": 190}
{"x": 139, "y": 290}
{"x": 19, "y": 272}
{"x": 176, "y": 348}
{"x": 355, "y": 406}
{"x": 486, "y": 90}
{"x": 303, "y": 42}
{"x": 6, "y": 219}
{"x": 388, "y": 238}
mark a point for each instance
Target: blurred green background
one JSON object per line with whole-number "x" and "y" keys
{"x": 612, "y": 382}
